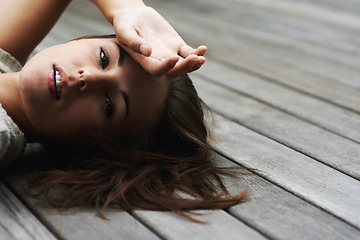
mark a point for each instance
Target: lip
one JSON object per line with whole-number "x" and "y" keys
{"x": 51, "y": 82}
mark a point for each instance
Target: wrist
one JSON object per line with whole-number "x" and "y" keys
{"x": 109, "y": 8}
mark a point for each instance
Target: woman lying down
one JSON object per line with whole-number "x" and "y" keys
{"x": 121, "y": 106}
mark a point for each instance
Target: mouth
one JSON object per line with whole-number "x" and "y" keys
{"x": 57, "y": 82}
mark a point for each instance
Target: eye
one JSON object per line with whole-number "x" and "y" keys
{"x": 104, "y": 58}
{"x": 109, "y": 106}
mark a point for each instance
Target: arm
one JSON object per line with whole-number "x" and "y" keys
{"x": 150, "y": 39}
{"x": 24, "y": 23}
{"x": 110, "y": 8}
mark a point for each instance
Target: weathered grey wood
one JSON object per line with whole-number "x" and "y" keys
{"x": 280, "y": 215}
{"x": 83, "y": 223}
{"x": 346, "y": 6}
{"x": 220, "y": 225}
{"x": 321, "y": 113}
{"x": 285, "y": 56}
{"x": 319, "y": 184}
{"x": 349, "y": 6}
{"x": 274, "y": 39}
{"x": 250, "y": 16}
{"x": 16, "y": 221}
{"x": 236, "y": 53}
{"x": 333, "y": 118}
{"x": 307, "y": 11}
{"x": 311, "y": 140}
{"x": 271, "y": 210}
{"x": 314, "y": 23}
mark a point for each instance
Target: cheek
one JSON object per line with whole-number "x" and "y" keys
{"x": 65, "y": 122}
{"x": 82, "y": 116}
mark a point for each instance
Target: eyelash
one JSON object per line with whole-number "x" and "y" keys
{"x": 109, "y": 106}
{"x": 104, "y": 58}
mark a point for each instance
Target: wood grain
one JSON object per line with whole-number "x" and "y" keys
{"x": 83, "y": 223}
{"x": 319, "y": 184}
{"x": 16, "y": 221}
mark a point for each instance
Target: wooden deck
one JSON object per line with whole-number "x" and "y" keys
{"x": 283, "y": 80}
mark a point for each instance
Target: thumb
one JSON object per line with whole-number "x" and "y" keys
{"x": 128, "y": 36}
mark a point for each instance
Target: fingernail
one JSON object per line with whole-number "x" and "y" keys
{"x": 202, "y": 60}
{"x": 144, "y": 50}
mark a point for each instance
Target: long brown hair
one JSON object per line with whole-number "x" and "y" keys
{"x": 166, "y": 166}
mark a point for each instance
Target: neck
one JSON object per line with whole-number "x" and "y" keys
{"x": 11, "y": 101}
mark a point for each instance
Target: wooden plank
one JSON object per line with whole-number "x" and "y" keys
{"x": 280, "y": 215}
{"x": 344, "y": 6}
{"x": 272, "y": 211}
{"x": 319, "y": 184}
{"x": 245, "y": 14}
{"x": 308, "y": 11}
{"x": 197, "y": 29}
{"x": 273, "y": 37}
{"x": 291, "y": 17}
{"x": 323, "y": 114}
{"x": 83, "y": 223}
{"x": 232, "y": 25}
{"x": 306, "y": 62}
{"x": 306, "y": 107}
{"x": 311, "y": 140}
{"x": 220, "y": 225}
{"x": 16, "y": 221}
{"x": 278, "y": 38}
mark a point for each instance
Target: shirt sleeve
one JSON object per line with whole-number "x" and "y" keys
{"x": 12, "y": 140}
{"x": 4, "y": 147}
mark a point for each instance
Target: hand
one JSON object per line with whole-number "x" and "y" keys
{"x": 154, "y": 44}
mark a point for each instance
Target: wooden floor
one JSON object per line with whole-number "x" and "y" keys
{"x": 283, "y": 80}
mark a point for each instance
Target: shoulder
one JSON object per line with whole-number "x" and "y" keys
{"x": 12, "y": 140}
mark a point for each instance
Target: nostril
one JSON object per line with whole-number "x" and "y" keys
{"x": 81, "y": 78}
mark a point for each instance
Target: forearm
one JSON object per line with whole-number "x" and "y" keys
{"x": 110, "y": 7}
{"x": 26, "y": 22}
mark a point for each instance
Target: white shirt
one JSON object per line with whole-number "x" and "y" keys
{"x": 12, "y": 140}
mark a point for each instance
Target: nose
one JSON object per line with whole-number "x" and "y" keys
{"x": 93, "y": 79}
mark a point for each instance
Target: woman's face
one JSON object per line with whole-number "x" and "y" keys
{"x": 88, "y": 85}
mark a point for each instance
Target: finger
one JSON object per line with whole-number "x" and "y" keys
{"x": 157, "y": 67}
{"x": 129, "y": 37}
{"x": 186, "y": 50}
{"x": 184, "y": 66}
{"x": 152, "y": 65}
{"x": 200, "y": 51}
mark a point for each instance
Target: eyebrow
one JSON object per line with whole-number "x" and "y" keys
{"x": 126, "y": 99}
{"x": 121, "y": 54}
